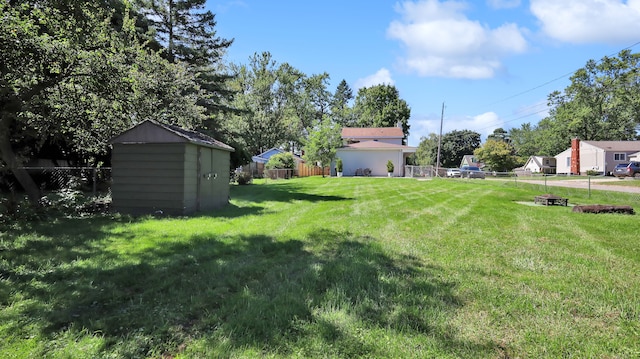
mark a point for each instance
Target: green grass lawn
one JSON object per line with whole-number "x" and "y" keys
{"x": 328, "y": 267}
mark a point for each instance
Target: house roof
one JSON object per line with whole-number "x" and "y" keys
{"x": 372, "y": 132}
{"x": 147, "y": 132}
{"x": 624, "y": 146}
{"x": 378, "y": 145}
{"x": 470, "y": 160}
{"x": 538, "y": 160}
{"x": 266, "y": 155}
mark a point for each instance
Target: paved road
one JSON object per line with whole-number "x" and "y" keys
{"x": 596, "y": 184}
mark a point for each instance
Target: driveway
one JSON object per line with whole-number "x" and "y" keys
{"x": 596, "y": 184}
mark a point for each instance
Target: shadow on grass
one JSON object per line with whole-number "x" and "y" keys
{"x": 280, "y": 191}
{"x": 227, "y": 294}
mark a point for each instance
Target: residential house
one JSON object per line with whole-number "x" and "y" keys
{"x": 471, "y": 160}
{"x": 256, "y": 167}
{"x": 597, "y": 156}
{"x": 371, "y": 148}
{"x": 538, "y": 164}
{"x": 302, "y": 169}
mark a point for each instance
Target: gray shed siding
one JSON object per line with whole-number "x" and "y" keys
{"x": 148, "y": 178}
{"x": 159, "y": 167}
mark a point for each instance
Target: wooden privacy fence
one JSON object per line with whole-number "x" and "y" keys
{"x": 305, "y": 171}
{"x": 257, "y": 170}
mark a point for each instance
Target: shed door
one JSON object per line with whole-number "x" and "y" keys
{"x": 206, "y": 179}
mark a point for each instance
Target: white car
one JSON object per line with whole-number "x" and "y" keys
{"x": 453, "y": 172}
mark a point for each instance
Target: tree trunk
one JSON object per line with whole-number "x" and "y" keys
{"x": 8, "y": 156}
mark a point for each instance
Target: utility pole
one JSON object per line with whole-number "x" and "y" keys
{"x": 439, "y": 143}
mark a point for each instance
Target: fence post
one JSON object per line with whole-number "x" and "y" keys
{"x": 95, "y": 180}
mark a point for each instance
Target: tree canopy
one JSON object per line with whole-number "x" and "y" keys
{"x": 322, "y": 143}
{"x": 72, "y": 78}
{"x": 602, "y": 103}
{"x": 381, "y": 106}
{"x": 427, "y": 151}
{"x": 497, "y": 155}
{"x": 456, "y": 144}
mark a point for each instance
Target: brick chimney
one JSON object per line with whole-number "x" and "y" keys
{"x": 575, "y": 156}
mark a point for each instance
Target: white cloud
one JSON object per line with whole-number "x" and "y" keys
{"x": 441, "y": 41}
{"x": 589, "y": 21}
{"x": 226, "y": 6}
{"x": 381, "y": 77}
{"x": 503, "y": 4}
{"x": 484, "y": 124}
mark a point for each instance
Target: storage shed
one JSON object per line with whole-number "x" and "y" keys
{"x": 159, "y": 168}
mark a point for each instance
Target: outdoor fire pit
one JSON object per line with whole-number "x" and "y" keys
{"x": 551, "y": 200}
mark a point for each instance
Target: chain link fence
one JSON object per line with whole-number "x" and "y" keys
{"x": 278, "y": 173}
{"x": 419, "y": 171}
{"x": 92, "y": 181}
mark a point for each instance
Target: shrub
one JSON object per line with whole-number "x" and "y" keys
{"x": 389, "y": 166}
{"x": 281, "y": 161}
{"x": 339, "y": 164}
{"x": 244, "y": 178}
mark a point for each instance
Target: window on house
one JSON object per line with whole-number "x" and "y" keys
{"x": 619, "y": 156}
{"x": 568, "y": 161}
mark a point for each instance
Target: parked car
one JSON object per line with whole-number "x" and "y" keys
{"x": 471, "y": 172}
{"x": 631, "y": 169}
{"x": 453, "y": 172}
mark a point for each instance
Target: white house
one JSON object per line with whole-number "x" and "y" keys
{"x": 598, "y": 156}
{"x": 370, "y": 148}
{"x": 471, "y": 160}
{"x": 539, "y": 164}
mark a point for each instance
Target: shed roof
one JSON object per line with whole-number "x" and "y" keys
{"x": 149, "y": 131}
{"x": 372, "y": 132}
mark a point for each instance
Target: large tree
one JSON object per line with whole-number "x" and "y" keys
{"x": 427, "y": 151}
{"x": 187, "y": 31}
{"x": 259, "y": 121}
{"x": 456, "y": 144}
{"x": 381, "y": 106}
{"x": 524, "y": 141}
{"x": 602, "y": 102}
{"x": 322, "y": 143}
{"x": 70, "y": 77}
{"x": 278, "y": 105}
{"x": 497, "y": 155}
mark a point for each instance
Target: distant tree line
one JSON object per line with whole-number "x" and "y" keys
{"x": 602, "y": 103}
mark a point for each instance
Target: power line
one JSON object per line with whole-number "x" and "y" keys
{"x": 543, "y": 85}
{"x": 558, "y": 78}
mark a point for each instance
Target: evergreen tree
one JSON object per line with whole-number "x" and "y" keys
{"x": 340, "y": 105}
{"x": 186, "y": 29}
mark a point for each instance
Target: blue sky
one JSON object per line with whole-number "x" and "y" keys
{"x": 491, "y": 62}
